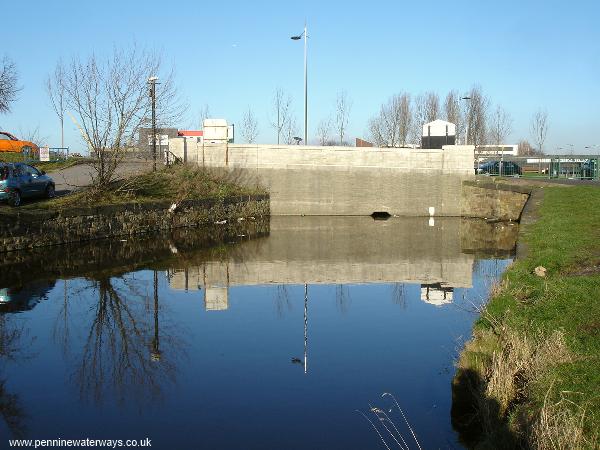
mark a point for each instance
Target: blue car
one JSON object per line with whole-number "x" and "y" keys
{"x": 19, "y": 181}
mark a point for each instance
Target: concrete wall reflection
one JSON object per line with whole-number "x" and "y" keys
{"x": 341, "y": 250}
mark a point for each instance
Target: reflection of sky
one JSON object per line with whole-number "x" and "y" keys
{"x": 225, "y": 378}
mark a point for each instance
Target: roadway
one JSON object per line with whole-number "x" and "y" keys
{"x": 81, "y": 175}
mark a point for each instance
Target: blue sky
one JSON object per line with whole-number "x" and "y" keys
{"x": 233, "y": 55}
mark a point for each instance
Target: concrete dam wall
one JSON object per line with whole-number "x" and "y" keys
{"x": 312, "y": 180}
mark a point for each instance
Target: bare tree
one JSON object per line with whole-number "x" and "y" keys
{"x": 452, "y": 112}
{"x": 539, "y": 128}
{"x": 323, "y": 131}
{"x": 291, "y": 130}
{"x": 432, "y": 106}
{"x": 55, "y": 89}
{"x": 391, "y": 127}
{"x": 500, "y": 125}
{"x": 418, "y": 119}
{"x": 342, "y": 106}
{"x": 204, "y": 114}
{"x": 249, "y": 126}
{"x": 282, "y": 104}
{"x": 109, "y": 98}
{"x": 9, "y": 89}
{"x": 33, "y": 135}
{"x": 476, "y": 116}
{"x": 526, "y": 149}
{"x": 499, "y": 129}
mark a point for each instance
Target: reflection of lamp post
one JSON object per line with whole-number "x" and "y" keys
{"x": 297, "y": 38}
{"x": 155, "y": 351}
{"x": 305, "y": 327}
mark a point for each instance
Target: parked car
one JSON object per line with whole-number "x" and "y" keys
{"x": 589, "y": 169}
{"x": 9, "y": 143}
{"x": 18, "y": 181}
{"x": 509, "y": 168}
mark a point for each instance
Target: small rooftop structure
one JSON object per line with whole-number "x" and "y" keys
{"x": 438, "y": 133}
{"x": 217, "y": 131}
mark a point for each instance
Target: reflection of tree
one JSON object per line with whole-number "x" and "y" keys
{"x": 398, "y": 296}
{"x": 10, "y": 409}
{"x": 342, "y": 298}
{"x": 282, "y": 299}
{"x": 61, "y": 326}
{"x": 119, "y": 354}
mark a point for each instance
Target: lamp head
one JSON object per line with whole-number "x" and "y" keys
{"x": 296, "y": 38}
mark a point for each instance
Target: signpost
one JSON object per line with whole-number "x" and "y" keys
{"x": 44, "y": 154}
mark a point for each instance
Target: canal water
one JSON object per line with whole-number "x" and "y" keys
{"x": 280, "y": 334}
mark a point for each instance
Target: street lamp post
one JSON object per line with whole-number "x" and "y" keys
{"x": 152, "y": 81}
{"x": 467, "y": 119}
{"x": 297, "y": 38}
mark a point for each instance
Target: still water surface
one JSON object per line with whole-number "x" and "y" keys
{"x": 255, "y": 335}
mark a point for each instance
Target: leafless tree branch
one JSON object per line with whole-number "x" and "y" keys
{"x": 343, "y": 106}
{"x": 282, "y": 104}
{"x": 323, "y": 131}
{"x": 391, "y": 127}
{"x": 55, "y": 89}
{"x": 110, "y": 100}
{"x": 539, "y": 128}
{"x": 249, "y": 126}
{"x": 9, "y": 88}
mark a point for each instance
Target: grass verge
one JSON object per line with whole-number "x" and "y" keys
{"x": 176, "y": 183}
{"x": 47, "y": 166}
{"x": 531, "y": 374}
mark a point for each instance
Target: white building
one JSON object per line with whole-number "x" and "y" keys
{"x": 497, "y": 150}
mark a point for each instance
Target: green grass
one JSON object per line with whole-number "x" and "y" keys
{"x": 177, "y": 183}
{"x": 46, "y": 166}
{"x": 566, "y": 241}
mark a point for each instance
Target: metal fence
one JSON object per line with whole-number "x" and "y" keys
{"x": 577, "y": 167}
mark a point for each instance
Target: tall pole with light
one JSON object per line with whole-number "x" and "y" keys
{"x": 467, "y": 118}
{"x": 152, "y": 81}
{"x": 297, "y": 38}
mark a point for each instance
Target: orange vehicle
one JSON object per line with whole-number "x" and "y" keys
{"x": 9, "y": 143}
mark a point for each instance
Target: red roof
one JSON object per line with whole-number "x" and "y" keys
{"x": 189, "y": 133}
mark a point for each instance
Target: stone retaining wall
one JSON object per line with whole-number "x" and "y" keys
{"x": 497, "y": 201}
{"x": 20, "y": 229}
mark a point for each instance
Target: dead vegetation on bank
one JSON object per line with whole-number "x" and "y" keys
{"x": 529, "y": 378}
{"x": 500, "y": 374}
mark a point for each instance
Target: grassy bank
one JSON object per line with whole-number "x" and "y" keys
{"x": 47, "y": 166}
{"x": 176, "y": 183}
{"x": 530, "y": 377}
